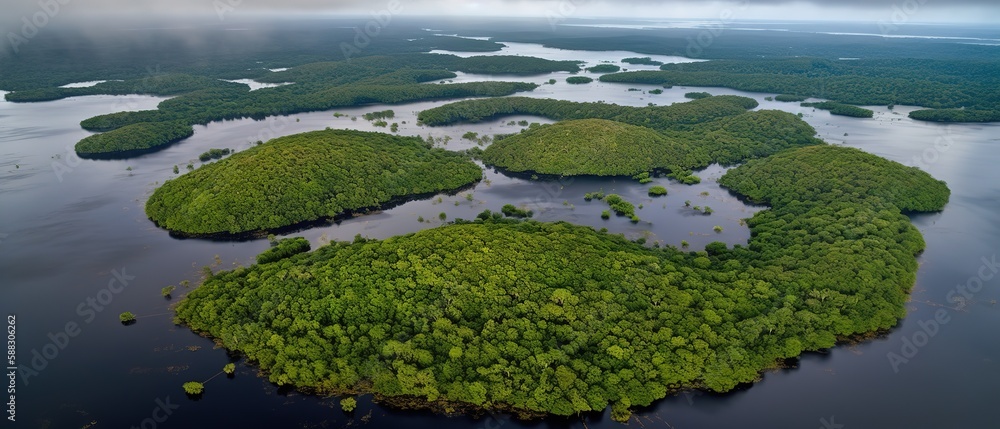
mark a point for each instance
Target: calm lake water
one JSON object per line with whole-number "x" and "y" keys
{"x": 69, "y": 226}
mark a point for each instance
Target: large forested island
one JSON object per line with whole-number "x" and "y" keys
{"x": 305, "y": 177}
{"x": 551, "y": 318}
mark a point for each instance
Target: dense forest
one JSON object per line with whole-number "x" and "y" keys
{"x": 642, "y": 61}
{"x": 789, "y": 98}
{"x": 928, "y": 83}
{"x": 691, "y": 135}
{"x": 604, "y": 68}
{"x": 490, "y": 314}
{"x": 657, "y": 117}
{"x": 581, "y": 147}
{"x": 841, "y": 109}
{"x": 305, "y": 177}
{"x": 835, "y": 174}
{"x": 607, "y": 148}
{"x": 956, "y": 115}
{"x": 317, "y": 86}
{"x": 133, "y": 139}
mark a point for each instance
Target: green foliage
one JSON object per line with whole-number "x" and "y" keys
{"x": 620, "y": 206}
{"x": 643, "y": 177}
{"x": 194, "y": 388}
{"x": 579, "y": 80}
{"x": 167, "y": 291}
{"x": 594, "y": 196}
{"x": 229, "y": 368}
{"x": 841, "y": 109}
{"x": 305, "y": 177}
{"x": 684, "y": 176}
{"x": 607, "y": 148}
{"x": 605, "y": 215}
{"x": 384, "y": 114}
{"x": 697, "y": 95}
{"x": 134, "y": 138}
{"x": 717, "y": 228}
{"x": 284, "y": 249}
{"x": 176, "y": 170}
{"x": 643, "y": 61}
{"x": 789, "y": 98}
{"x": 470, "y": 135}
{"x": 580, "y": 147}
{"x": 656, "y": 91}
{"x": 214, "y": 154}
{"x": 456, "y": 313}
{"x": 126, "y": 317}
{"x": 829, "y": 173}
{"x": 956, "y": 115}
{"x": 656, "y": 117}
{"x": 657, "y": 191}
{"x": 167, "y": 84}
{"x": 934, "y": 84}
{"x": 510, "y": 210}
{"x": 604, "y": 68}
{"x": 348, "y": 404}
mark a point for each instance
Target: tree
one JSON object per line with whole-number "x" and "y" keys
{"x": 657, "y": 191}
{"x": 348, "y": 404}
{"x": 127, "y": 318}
{"x": 194, "y": 388}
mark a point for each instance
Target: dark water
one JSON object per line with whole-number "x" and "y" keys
{"x": 68, "y": 227}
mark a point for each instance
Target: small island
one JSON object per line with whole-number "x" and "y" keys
{"x": 305, "y": 177}
{"x": 604, "y": 68}
{"x": 841, "y": 109}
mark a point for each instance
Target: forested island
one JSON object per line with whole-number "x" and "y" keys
{"x": 674, "y": 139}
{"x": 133, "y": 139}
{"x": 305, "y": 177}
{"x": 490, "y": 315}
{"x": 955, "y": 91}
{"x": 316, "y": 86}
{"x": 841, "y": 109}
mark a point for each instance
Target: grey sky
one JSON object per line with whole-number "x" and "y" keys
{"x": 987, "y": 11}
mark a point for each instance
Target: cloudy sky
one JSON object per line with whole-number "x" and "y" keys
{"x": 985, "y": 11}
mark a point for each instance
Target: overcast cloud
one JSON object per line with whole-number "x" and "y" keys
{"x": 985, "y": 11}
